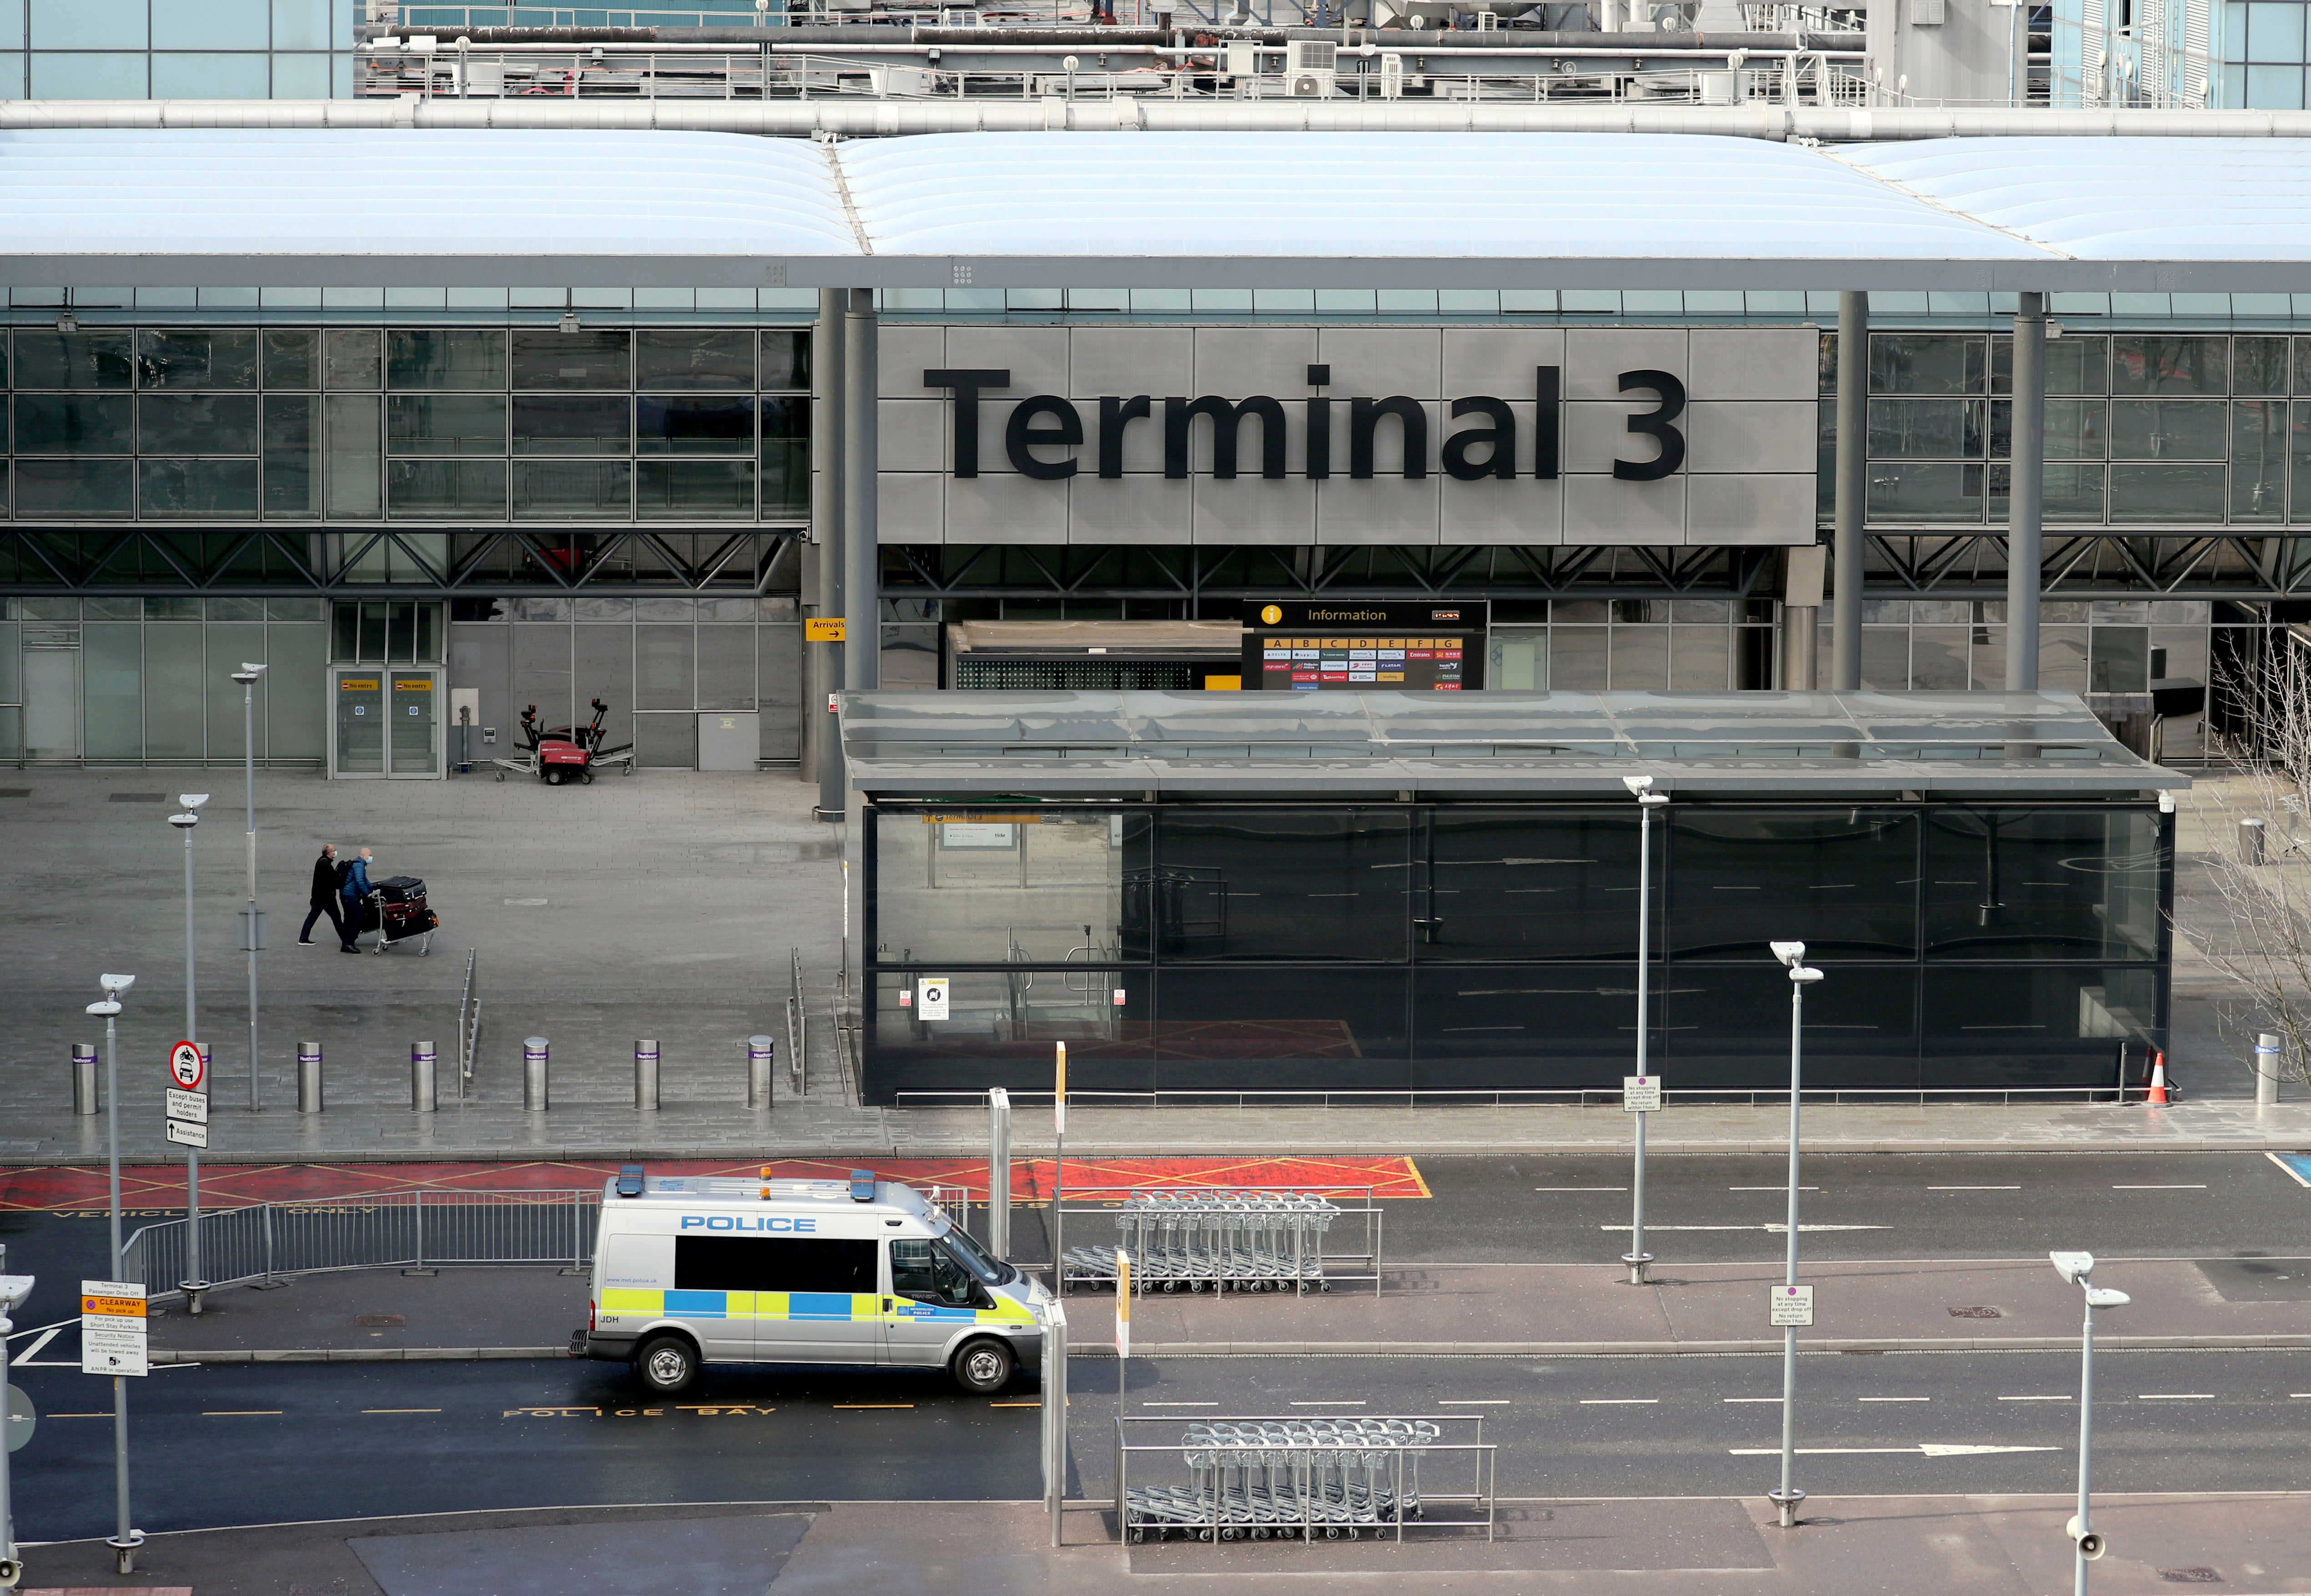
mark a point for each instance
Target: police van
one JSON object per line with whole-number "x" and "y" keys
{"x": 696, "y": 1270}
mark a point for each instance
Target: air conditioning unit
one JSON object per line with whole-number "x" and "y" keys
{"x": 1311, "y": 55}
{"x": 1392, "y": 74}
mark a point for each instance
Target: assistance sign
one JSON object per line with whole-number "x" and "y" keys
{"x": 112, "y": 1328}
{"x": 1641, "y": 1093}
{"x": 188, "y": 1133}
{"x": 1793, "y": 1305}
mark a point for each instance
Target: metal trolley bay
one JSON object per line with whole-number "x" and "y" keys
{"x": 1307, "y": 1478}
{"x": 1252, "y": 1240}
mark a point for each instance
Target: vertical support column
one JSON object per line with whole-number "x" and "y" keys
{"x": 998, "y": 1172}
{"x": 2026, "y": 494}
{"x": 1801, "y": 591}
{"x": 862, "y": 654}
{"x": 823, "y": 676}
{"x": 1853, "y": 488}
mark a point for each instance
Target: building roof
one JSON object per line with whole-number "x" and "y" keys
{"x": 1350, "y": 744}
{"x": 151, "y": 206}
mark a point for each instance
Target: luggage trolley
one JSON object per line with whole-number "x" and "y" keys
{"x": 1257, "y": 1480}
{"x": 397, "y": 910}
{"x": 1219, "y": 1241}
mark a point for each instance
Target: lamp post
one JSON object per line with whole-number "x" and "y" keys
{"x": 193, "y": 1283}
{"x": 1641, "y": 789}
{"x": 2075, "y": 1268}
{"x": 14, "y": 1290}
{"x": 252, "y": 918}
{"x": 124, "y": 1542}
{"x": 1793, "y": 956}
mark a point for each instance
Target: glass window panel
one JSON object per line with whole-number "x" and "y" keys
{"x": 682, "y": 489}
{"x": 1728, "y": 1027}
{"x": 1269, "y": 884}
{"x": 785, "y": 361}
{"x": 292, "y": 359}
{"x": 445, "y": 360}
{"x": 1938, "y": 658}
{"x": 2118, "y": 660}
{"x": 1338, "y": 1031}
{"x": 295, "y": 692}
{"x": 2039, "y": 1027}
{"x": 1523, "y": 1027}
{"x": 291, "y": 484}
{"x": 1640, "y": 660}
{"x": 2042, "y": 884}
{"x": 1514, "y": 884}
{"x": 197, "y": 490}
{"x": 2072, "y": 493}
{"x": 2166, "y": 493}
{"x": 196, "y": 424}
{"x": 665, "y": 426}
{"x": 722, "y": 360}
{"x": 2063, "y": 658}
{"x": 2259, "y": 460}
{"x": 2274, "y": 32}
{"x": 591, "y": 488}
{"x": 75, "y": 490}
{"x": 1577, "y": 658}
{"x": 1910, "y": 492}
{"x": 1925, "y": 428}
{"x": 1001, "y": 1033}
{"x": 1927, "y": 363}
{"x": 2168, "y": 429}
{"x": 2258, "y": 366}
{"x": 112, "y": 691}
{"x": 461, "y": 424}
{"x": 555, "y": 424}
{"x": 1885, "y": 658}
{"x": 73, "y": 424}
{"x": 551, "y": 358}
{"x": 786, "y": 457}
{"x": 665, "y": 667}
{"x": 2075, "y": 429}
{"x": 176, "y": 694}
{"x": 1700, "y": 658}
{"x": 355, "y": 459}
{"x": 199, "y": 359}
{"x": 427, "y": 488}
{"x": 350, "y": 358}
{"x": 2078, "y": 364}
{"x": 1003, "y": 888}
{"x": 47, "y": 359}
{"x": 1843, "y": 881}
{"x": 2142, "y": 363}
{"x": 726, "y": 667}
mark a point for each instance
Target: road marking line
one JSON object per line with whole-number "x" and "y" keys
{"x": 1777, "y": 1229}
{"x": 240, "y": 1413}
{"x": 1897, "y": 1398}
{"x": 1581, "y": 1188}
{"x": 1973, "y": 1188}
{"x": 1618, "y": 1402}
{"x": 2299, "y": 1395}
{"x": 401, "y": 1409}
{"x": 2035, "y": 1399}
{"x": 1925, "y": 1449}
{"x": 1179, "y": 1404}
{"x": 1015, "y": 1404}
{"x": 2175, "y": 1396}
{"x": 1752, "y": 1399}
{"x": 1330, "y": 1402}
{"x": 2169, "y": 1188}
{"x": 24, "y": 1358}
{"x": 1784, "y": 1187}
{"x": 1473, "y": 1401}
{"x": 865, "y": 1405}
{"x": 79, "y": 1416}
{"x": 2293, "y": 1174}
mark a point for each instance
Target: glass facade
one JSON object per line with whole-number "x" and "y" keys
{"x": 1444, "y": 947}
{"x": 525, "y": 425}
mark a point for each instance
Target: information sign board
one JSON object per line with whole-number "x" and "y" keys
{"x": 112, "y": 1328}
{"x": 1793, "y": 1305}
{"x": 1641, "y": 1093}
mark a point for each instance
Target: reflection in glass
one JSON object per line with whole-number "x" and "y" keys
{"x": 1000, "y": 1028}
{"x": 1925, "y": 428}
{"x": 292, "y": 485}
{"x": 723, "y": 361}
{"x": 2042, "y": 884}
{"x": 1529, "y": 1027}
{"x": 786, "y": 457}
{"x": 2078, "y": 363}
{"x": 676, "y": 489}
{"x": 1528, "y": 884}
{"x": 78, "y": 490}
{"x": 1267, "y": 884}
{"x": 1728, "y": 1026}
{"x": 447, "y": 488}
{"x": 2143, "y": 363}
{"x": 445, "y": 360}
{"x": 1843, "y": 882}
{"x": 2156, "y": 429}
{"x": 2259, "y": 460}
{"x": 199, "y": 359}
{"x": 197, "y": 489}
{"x": 1914, "y": 492}
{"x": 591, "y": 488}
{"x": 46, "y": 359}
{"x": 73, "y": 424}
{"x": 1005, "y": 887}
{"x": 1279, "y": 1030}
{"x": 356, "y": 450}
{"x": 2258, "y": 366}
{"x": 552, "y": 359}
{"x": 196, "y": 424}
{"x": 785, "y": 361}
{"x": 460, "y": 424}
{"x": 350, "y": 359}
{"x": 292, "y": 357}
{"x": 2075, "y": 429}
{"x": 2166, "y": 492}
{"x": 2044, "y": 1027}
{"x": 555, "y": 424}
{"x": 667, "y": 426}
{"x": 1927, "y": 363}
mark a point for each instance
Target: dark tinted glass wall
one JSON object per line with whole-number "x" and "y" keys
{"x": 1340, "y": 948}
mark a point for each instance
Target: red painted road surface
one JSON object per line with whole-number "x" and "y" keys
{"x": 81, "y": 1187}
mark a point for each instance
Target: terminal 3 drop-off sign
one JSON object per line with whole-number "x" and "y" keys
{"x": 1339, "y": 434}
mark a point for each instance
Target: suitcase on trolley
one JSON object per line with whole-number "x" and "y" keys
{"x": 401, "y": 890}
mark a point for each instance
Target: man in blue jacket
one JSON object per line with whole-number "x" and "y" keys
{"x": 353, "y": 886}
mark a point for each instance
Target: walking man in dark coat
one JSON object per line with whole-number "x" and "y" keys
{"x": 325, "y": 899}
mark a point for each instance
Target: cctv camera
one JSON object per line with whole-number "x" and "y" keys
{"x": 2103, "y": 1296}
{"x": 186, "y": 821}
{"x": 1792, "y": 954}
{"x": 192, "y": 800}
{"x": 14, "y": 1290}
{"x": 1637, "y": 784}
{"x": 116, "y": 985}
{"x": 2072, "y": 1267}
{"x": 252, "y": 670}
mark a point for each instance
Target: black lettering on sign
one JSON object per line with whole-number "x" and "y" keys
{"x": 1656, "y": 423}
{"x": 1547, "y": 421}
{"x": 1364, "y": 420}
{"x": 1499, "y": 439}
{"x": 967, "y": 385}
{"x": 1022, "y": 437}
{"x": 1227, "y": 422}
{"x": 1114, "y": 415}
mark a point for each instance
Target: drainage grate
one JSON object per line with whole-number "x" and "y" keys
{"x": 137, "y": 798}
{"x": 381, "y": 1321}
{"x": 16, "y": 792}
{"x": 1976, "y": 1314}
{"x": 2190, "y": 1577}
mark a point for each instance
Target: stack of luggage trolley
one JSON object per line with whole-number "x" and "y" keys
{"x": 1218, "y": 1241}
{"x": 1254, "y": 1480}
{"x": 395, "y": 908}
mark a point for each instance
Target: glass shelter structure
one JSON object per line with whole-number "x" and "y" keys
{"x": 1387, "y": 893}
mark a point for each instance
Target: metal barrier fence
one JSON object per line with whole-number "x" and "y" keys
{"x": 469, "y": 1026}
{"x": 1307, "y": 1478}
{"x": 1247, "y": 1239}
{"x": 419, "y": 1230}
{"x": 1593, "y": 1096}
{"x": 798, "y": 1025}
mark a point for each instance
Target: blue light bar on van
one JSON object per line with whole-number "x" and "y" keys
{"x": 862, "y": 1185}
{"x": 630, "y": 1180}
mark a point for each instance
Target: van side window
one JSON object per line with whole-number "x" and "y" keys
{"x": 773, "y": 1263}
{"x": 924, "y": 1271}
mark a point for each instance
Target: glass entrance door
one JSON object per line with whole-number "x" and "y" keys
{"x": 360, "y": 745}
{"x": 417, "y": 747}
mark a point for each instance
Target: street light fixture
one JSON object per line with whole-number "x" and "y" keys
{"x": 14, "y": 1290}
{"x": 193, "y": 1283}
{"x": 1793, "y": 957}
{"x": 2075, "y": 1268}
{"x": 126, "y": 1542}
{"x": 252, "y": 918}
{"x": 1641, "y": 789}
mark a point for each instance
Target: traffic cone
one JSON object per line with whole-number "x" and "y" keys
{"x": 2158, "y": 1078}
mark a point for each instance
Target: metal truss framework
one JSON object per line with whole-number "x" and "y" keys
{"x": 1969, "y": 565}
{"x": 397, "y": 563}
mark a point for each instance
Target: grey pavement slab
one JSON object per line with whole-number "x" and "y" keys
{"x": 375, "y": 1311}
{"x": 737, "y": 1556}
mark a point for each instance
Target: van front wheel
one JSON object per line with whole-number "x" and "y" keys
{"x": 983, "y": 1367}
{"x": 667, "y": 1364}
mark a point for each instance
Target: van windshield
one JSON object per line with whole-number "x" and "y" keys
{"x": 976, "y": 1258}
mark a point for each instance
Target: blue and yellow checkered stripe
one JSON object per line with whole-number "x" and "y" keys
{"x": 824, "y": 1307}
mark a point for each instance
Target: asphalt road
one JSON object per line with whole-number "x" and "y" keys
{"x": 229, "y": 1445}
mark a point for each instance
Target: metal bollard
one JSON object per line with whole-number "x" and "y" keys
{"x": 309, "y": 1077}
{"x": 533, "y": 1074}
{"x": 762, "y": 1054}
{"x": 2267, "y": 1052}
{"x": 2250, "y": 831}
{"x": 646, "y": 1074}
{"x": 85, "y": 1099}
{"x": 422, "y": 1096}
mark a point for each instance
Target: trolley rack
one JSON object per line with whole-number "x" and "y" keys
{"x": 1254, "y": 1239}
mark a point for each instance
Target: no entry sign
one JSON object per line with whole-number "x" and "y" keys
{"x": 185, "y": 1069}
